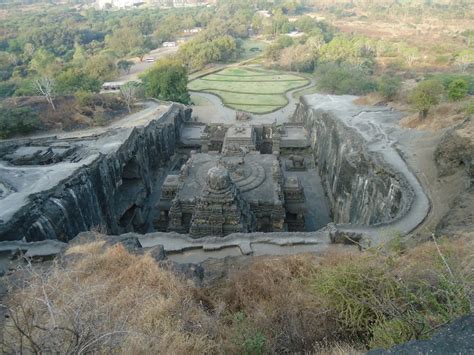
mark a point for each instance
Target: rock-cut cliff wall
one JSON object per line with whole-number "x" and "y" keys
{"x": 360, "y": 187}
{"x": 109, "y": 194}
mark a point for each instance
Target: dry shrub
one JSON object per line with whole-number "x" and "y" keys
{"x": 89, "y": 248}
{"x": 440, "y": 116}
{"x": 336, "y": 349}
{"x": 371, "y": 99}
{"x": 384, "y": 300}
{"x": 271, "y": 298}
{"x": 105, "y": 301}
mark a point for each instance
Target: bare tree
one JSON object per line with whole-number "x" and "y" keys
{"x": 45, "y": 86}
{"x": 47, "y": 318}
{"x": 129, "y": 94}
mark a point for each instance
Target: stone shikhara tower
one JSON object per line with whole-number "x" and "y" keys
{"x": 220, "y": 210}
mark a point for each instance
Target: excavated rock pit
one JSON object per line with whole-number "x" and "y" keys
{"x": 53, "y": 188}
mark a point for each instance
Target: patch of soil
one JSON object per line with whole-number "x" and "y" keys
{"x": 372, "y": 99}
{"x": 440, "y": 117}
{"x": 456, "y": 150}
{"x": 443, "y": 163}
{"x": 70, "y": 114}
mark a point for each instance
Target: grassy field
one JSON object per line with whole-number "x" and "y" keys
{"x": 252, "y": 48}
{"x": 249, "y": 89}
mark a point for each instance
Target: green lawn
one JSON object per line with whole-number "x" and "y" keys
{"x": 249, "y": 89}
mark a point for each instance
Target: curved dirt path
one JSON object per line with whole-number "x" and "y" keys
{"x": 216, "y": 112}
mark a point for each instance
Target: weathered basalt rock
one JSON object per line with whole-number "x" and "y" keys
{"x": 454, "y": 338}
{"x": 108, "y": 191}
{"x": 456, "y": 150}
{"x": 454, "y": 154}
{"x": 360, "y": 187}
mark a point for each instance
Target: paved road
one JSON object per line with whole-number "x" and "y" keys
{"x": 140, "y": 67}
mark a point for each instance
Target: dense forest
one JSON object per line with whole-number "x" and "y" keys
{"x": 69, "y": 49}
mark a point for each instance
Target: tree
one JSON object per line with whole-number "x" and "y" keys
{"x": 129, "y": 94}
{"x": 79, "y": 56}
{"x": 297, "y": 58}
{"x": 125, "y": 40}
{"x": 167, "y": 80}
{"x": 101, "y": 67}
{"x": 344, "y": 79}
{"x": 226, "y": 46}
{"x": 125, "y": 65}
{"x": 388, "y": 86}
{"x": 342, "y": 49}
{"x": 73, "y": 79}
{"x": 306, "y": 23}
{"x": 425, "y": 95}
{"x": 316, "y": 40}
{"x": 45, "y": 86}
{"x": 457, "y": 89}
{"x": 44, "y": 63}
{"x": 274, "y": 50}
{"x": 139, "y": 52}
{"x": 20, "y": 120}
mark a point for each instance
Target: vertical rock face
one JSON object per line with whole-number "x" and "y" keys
{"x": 360, "y": 187}
{"x": 108, "y": 194}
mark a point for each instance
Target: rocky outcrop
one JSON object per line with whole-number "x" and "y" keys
{"x": 454, "y": 154}
{"x": 361, "y": 188}
{"x": 456, "y": 150}
{"x": 109, "y": 193}
{"x": 454, "y": 338}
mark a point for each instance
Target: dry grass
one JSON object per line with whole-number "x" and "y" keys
{"x": 440, "y": 117}
{"x": 103, "y": 301}
{"x": 89, "y": 248}
{"x": 107, "y": 300}
{"x": 370, "y": 99}
{"x": 274, "y": 296}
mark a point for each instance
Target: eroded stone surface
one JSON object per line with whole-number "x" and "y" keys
{"x": 368, "y": 185}
{"x": 365, "y": 178}
{"x": 56, "y": 187}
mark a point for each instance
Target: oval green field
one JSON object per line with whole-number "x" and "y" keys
{"x": 249, "y": 89}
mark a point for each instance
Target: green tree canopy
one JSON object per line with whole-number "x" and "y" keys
{"x": 342, "y": 79}
{"x": 167, "y": 80}
{"x": 72, "y": 80}
{"x": 125, "y": 40}
{"x": 101, "y": 67}
{"x": 388, "y": 86}
{"x": 124, "y": 65}
{"x": 457, "y": 89}
{"x": 15, "y": 121}
{"x": 425, "y": 95}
